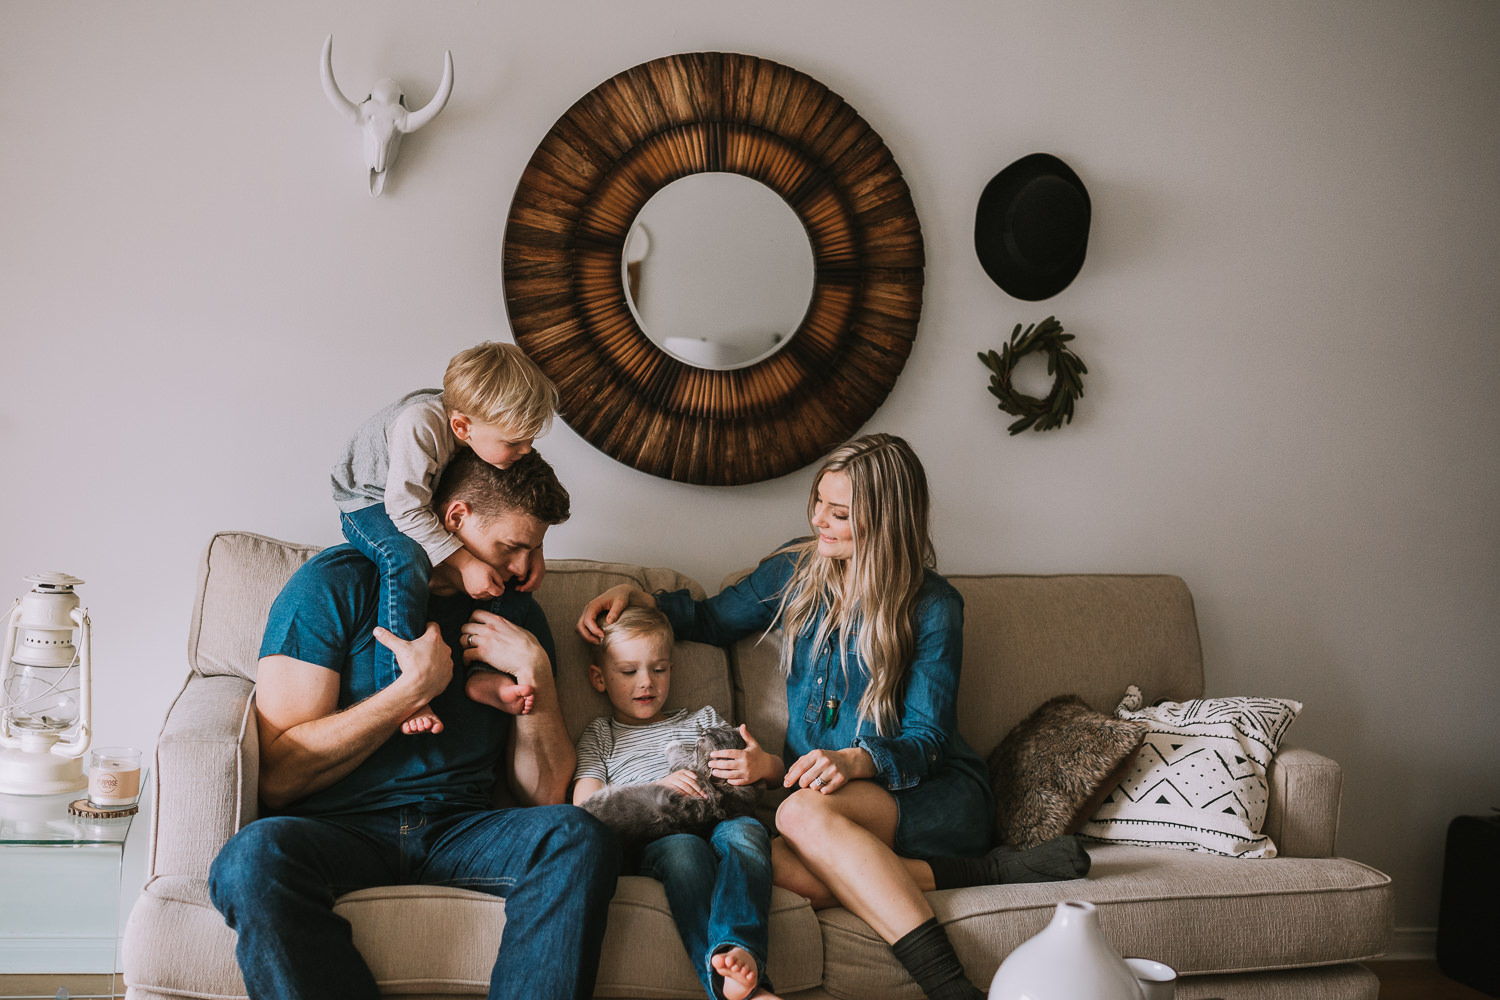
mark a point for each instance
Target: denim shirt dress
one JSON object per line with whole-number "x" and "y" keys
{"x": 941, "y": 786}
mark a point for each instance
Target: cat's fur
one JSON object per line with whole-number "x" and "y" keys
{"x": 642, "y": 813}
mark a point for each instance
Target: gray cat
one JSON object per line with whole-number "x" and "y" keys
{"x": 642, "y": 813}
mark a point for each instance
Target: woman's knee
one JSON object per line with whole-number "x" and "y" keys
{"x": 803, "y": 816}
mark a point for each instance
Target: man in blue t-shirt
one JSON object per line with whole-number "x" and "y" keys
{"x": 357, "y": 803}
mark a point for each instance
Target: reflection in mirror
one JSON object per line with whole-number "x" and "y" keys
{"x": 718, "y": 270}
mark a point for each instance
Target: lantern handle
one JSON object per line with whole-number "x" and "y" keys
{"x": 79, "y": 744}
{"x": 6, "y": 739}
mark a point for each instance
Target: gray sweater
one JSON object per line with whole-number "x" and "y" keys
{"x": 395, "y": 458}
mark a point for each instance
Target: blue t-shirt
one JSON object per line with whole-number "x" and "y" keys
{"x": 324, "y": 615}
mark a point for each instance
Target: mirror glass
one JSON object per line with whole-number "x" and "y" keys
{"x": 718, "y": 270}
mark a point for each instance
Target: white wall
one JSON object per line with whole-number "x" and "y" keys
{"x": 1289, "y": 313}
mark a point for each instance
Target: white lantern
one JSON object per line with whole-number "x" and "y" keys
{"x": 45, "y": 718}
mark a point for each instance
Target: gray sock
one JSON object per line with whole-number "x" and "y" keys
{"x": 1056, "y": 860}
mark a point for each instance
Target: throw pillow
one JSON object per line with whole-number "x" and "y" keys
{"x": 1048, "y": 768}
{"x": 1199, "y": 781}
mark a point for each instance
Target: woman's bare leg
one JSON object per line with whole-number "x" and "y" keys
{"x": 838, "y": 849}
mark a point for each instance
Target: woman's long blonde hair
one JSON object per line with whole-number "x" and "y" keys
{"x": 878, "y": 593}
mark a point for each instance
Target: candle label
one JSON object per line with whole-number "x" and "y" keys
{"x": 113, "y": 783}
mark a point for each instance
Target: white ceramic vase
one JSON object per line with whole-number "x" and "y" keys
{"x": 1068, "y": 960}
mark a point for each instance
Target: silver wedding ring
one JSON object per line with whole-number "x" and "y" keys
{"x": 818, "y": 782}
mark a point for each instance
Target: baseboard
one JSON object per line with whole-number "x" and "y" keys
{"x": 1408, "y": 943}
{"x": 37, "y": 955}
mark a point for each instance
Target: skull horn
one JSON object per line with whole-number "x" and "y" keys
{"x": 416, "y": 119}
{"x": 336, "y": 97}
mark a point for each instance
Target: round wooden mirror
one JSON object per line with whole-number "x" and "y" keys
{"x": 573, "y": 211}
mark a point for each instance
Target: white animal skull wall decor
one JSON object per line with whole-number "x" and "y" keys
{"x": 382, "y": 115}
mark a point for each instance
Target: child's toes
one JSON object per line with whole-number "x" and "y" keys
{"x": 739, "y": 972}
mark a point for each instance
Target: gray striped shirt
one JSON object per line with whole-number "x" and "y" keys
{"x": 617, "y": 754}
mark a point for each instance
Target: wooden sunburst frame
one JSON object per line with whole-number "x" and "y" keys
{"x": 633, "y": 135}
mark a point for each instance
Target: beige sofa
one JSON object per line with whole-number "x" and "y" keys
{"x": 1293, "y": 927}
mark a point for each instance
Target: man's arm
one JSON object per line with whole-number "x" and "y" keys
{"x": 540, "y": 756}
{"x": 307, "y": 744}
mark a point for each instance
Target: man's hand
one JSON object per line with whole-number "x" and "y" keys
{"x": 480, "y": 579}
{"x": 507, "y": 647}
{"x": 307, "y": 743}
{"x": 426, "y": 662}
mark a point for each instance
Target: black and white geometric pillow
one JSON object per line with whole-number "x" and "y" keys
{"x": 1198, "y": 783}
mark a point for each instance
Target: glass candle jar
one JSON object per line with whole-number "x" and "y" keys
{"x": 114, "y": 777}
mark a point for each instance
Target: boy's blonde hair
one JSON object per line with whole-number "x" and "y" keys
{"x": 634, "y": 622}
{"x": 498, "y": 384}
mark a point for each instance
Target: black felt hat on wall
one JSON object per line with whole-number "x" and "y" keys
{"x": 1032, "y": 227}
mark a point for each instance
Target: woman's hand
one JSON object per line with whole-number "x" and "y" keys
{"x": 609, "y": 605}
{"x": 827, "y": 771}
{"x": 747, "y": 766}
{"x": 684, "y": 781}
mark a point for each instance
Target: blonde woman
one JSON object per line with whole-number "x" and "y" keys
{"x": 888, "y": 800}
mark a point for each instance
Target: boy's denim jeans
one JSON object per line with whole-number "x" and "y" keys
{"x": 719, "y": 891}
{"x": 276, "y": 881}
{"x": 404, "y": 572}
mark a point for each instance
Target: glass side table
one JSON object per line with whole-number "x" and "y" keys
{"x": 60, "y": 878}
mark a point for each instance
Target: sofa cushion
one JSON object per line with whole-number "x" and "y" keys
{"x": 239, "y": 577}
{"x": 1198, "y": 913}
{"x": 1031, "y": 638}
{"x": 1199, "y": 782}
{"x": 448, "y": 941}
{"x": 700, "y": 673}
{"x": 1049, "y": 769}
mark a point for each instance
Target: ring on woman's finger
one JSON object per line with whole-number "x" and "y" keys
{"x": 818, "y": 783}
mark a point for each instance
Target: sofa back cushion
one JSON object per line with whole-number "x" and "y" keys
{"x": 1028, "y": 639}
{"x": 700, "y": 674}
{"x": 239, "y": 577}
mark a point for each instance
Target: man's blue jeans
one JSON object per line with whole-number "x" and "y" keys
{"x": 404, "y": 573}
{"x": 276, "y": 881}
{"x": 719, "y": 891}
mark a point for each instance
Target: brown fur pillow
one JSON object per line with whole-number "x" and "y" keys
{"x": 1048, "y": 769}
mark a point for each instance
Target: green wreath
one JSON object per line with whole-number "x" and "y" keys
{"x": 1066, "y": 367}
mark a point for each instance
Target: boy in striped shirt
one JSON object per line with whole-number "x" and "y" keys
{"x": 718, "y": 888}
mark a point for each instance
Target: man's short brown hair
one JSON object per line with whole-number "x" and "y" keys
{"x": 528, "y": 487}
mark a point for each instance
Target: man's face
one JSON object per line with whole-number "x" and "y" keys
{"x": 508, "y": 542}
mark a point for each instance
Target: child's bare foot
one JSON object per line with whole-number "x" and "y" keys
{"x": 516, "y": 698}
{"x": 740, "y": 974}
{"x": 423, "y": 720}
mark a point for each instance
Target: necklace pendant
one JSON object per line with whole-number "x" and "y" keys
{"x": 830, "y": 713}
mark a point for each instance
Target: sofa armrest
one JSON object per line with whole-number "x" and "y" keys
{"x": 1302, "y": 816}
{"x": 205, "y": 778}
